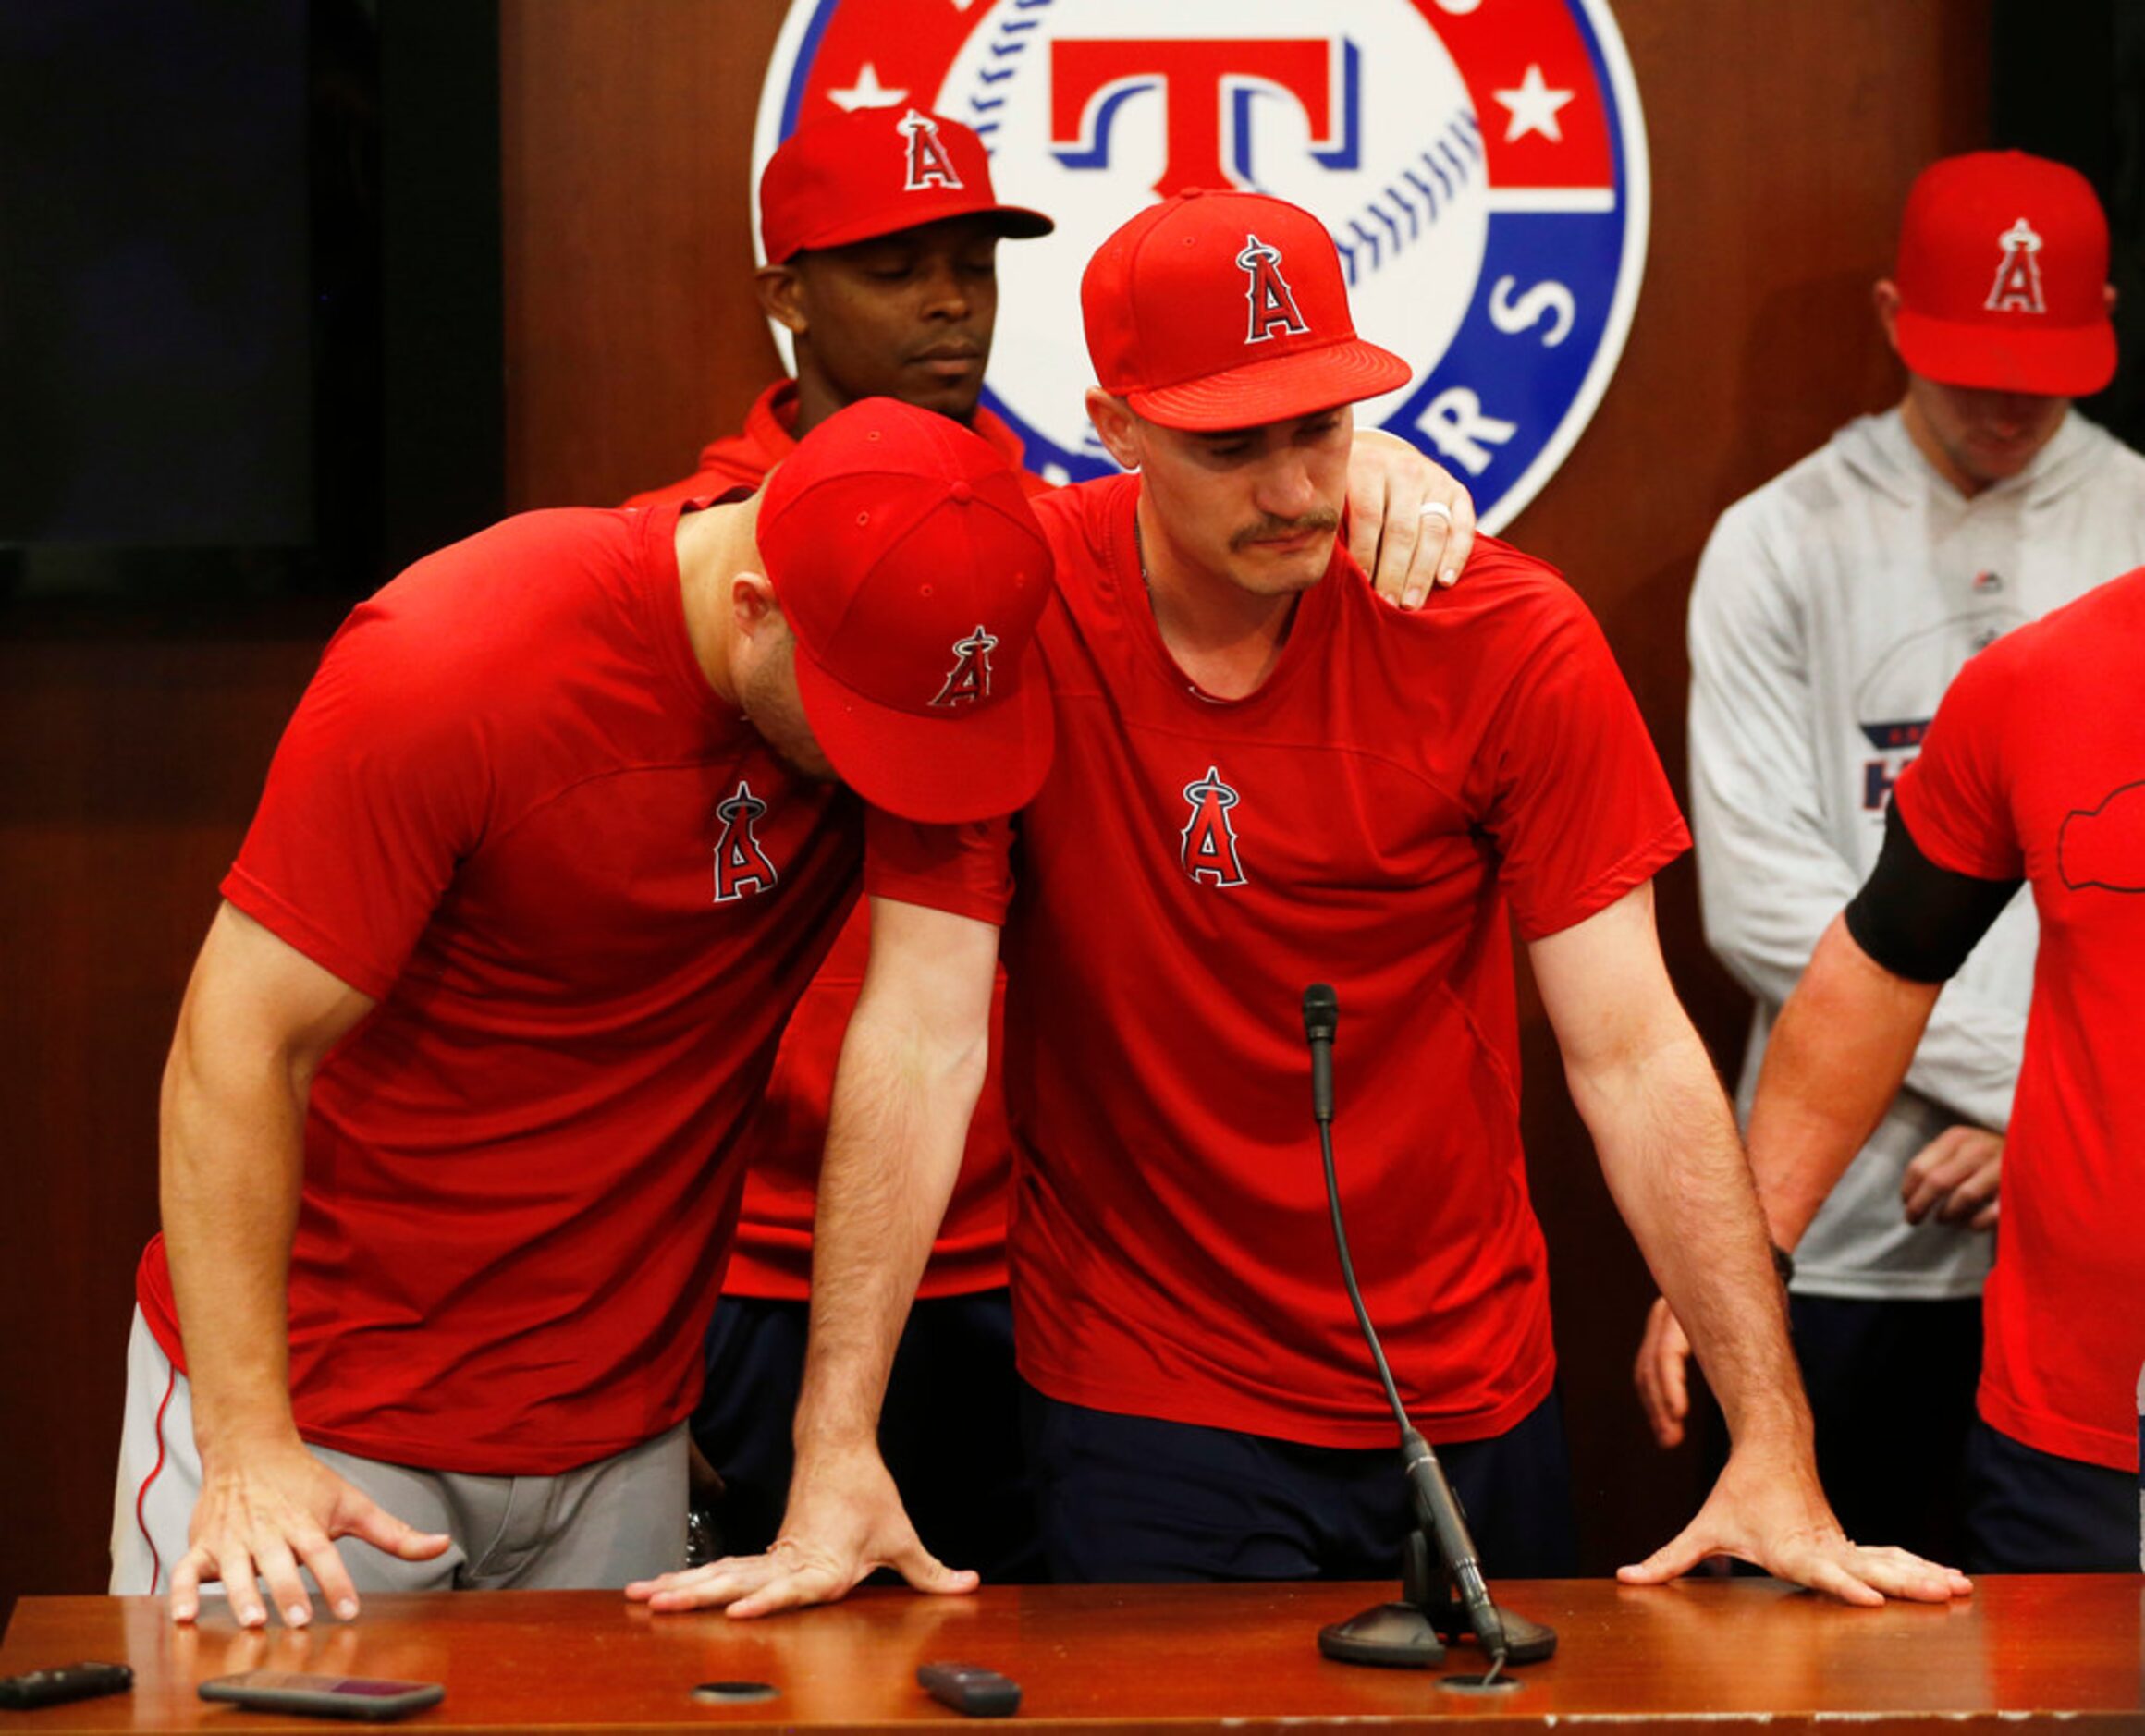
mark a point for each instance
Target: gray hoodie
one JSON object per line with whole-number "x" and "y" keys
{"x": 1833, "y": 608}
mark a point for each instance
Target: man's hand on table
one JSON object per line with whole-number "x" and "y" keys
{"x": 1777, "y": 1519}
{"x": 265, "y": 1510}
{"x": 844, "y": 1520}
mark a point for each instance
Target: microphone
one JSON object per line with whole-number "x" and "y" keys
{"x": 1321, "y": 1016}
{"x": 1437, "y": 1509}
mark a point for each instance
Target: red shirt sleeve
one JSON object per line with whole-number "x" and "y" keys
{"x": 1953, "y": 798}
{"x": 1577, "y": 803}
{"x": 380, "y": 787}
{"x": 963, "y": 870}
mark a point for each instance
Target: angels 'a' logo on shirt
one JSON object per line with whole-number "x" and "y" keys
{"x": 969, "y": 679}
{"x": 2018, "y": 286}
{"x": 740, "y": 864}
{"x": 1273, "y": 303}
{"x": 1208, "y": 847}
{"x": 929, "y": 162}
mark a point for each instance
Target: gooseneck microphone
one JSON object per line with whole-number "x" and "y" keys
{"x": 1321, "y": 1019}
{"x": 1437, "y": 1511}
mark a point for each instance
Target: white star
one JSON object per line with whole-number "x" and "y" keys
{"x": 867, "y": 92}
{"x": 1534, "y": 108}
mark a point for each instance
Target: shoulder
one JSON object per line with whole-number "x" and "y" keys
{"x": 497, "y": 603}
{"x": 1503, "y": 593}
{"x": 1511, "y": 628}
{"x": 2113, "y": 464}
{"x": 1763, "y": 528}
{"x": 1084, "y": 519}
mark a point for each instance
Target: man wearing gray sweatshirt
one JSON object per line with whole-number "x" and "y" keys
{"x": 1832, "y": 608}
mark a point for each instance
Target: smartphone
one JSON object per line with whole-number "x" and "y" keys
{"x": 324, "y": 1696}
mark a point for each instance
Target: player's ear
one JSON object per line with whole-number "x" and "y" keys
{"x": 781, "y": 293}
{"x": 1115, "y": 426}
{"x": 1885, "y": 297}
{"x": 753, "y": 604}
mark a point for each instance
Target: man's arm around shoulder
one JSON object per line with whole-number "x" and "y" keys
{"x": 912, "y": 1065}
{"x": 1645, "y": 1088}
{"x": 258, "y": 1019}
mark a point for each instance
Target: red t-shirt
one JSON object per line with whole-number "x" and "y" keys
{"x": 585, "y": 894}
{"x": 2035, "y": 768}
{"x": 772, "y": 1252}
{"x": 1371, "y": 818}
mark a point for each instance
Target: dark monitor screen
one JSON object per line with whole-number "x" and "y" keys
{"x": 248, "y": 290}
{"x": 155, "y": 337}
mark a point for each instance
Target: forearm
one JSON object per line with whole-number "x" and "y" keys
{"x": 1967, "y": 1059}
{"x": 1837, "y": 1055}
{"x": 1668, "y": 1146}
{"x": 895, "y": 1138}
{"x": 232, "y": 1157}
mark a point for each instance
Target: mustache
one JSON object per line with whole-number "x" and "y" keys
{"x": 1270, "y": 529}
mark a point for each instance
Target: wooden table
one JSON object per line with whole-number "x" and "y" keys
{"x": 1733, "y": 1652}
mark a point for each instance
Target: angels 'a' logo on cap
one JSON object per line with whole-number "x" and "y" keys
{"x": 742, "y": 866}
{"x": 929, "y": 162}
{"x": 969, "y": 679}
{"x": 1273, "y": 303}
{"x": 1208, "y": 840}
{"x": 2018, "y": 286}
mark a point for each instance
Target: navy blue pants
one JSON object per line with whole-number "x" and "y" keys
{"x": 2033, "y": 1512}
{"x": 1892, "y": 1391}
{"x": 950, "y": 1430}
{"x": 1133, "y": 1498}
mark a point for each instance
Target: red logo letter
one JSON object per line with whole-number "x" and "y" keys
{"x": 1209, "y": 840}
{"x": 740, "y": 865}
{"x": 929, "y": 165}
{"x": 1273, "y": 303}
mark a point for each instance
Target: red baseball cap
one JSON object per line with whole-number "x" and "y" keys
{"x": 907, "y": 561}
{"x": 2003, "y": 274}
{"x": 1227, "y": 311}
{"x": 849, "y": 177}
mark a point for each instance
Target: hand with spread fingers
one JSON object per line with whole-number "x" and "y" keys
{"x": 844, "y": 1520}
{"x": 1411, "y": 525}
{"x": 266, "y": 1514}
{"x": 1778, "y": 1520}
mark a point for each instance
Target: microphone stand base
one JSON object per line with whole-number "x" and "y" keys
{"x": 1387, "y": 1636}
{"x": 1404, "y": 1636}
{"x": 1413, "y": 1633}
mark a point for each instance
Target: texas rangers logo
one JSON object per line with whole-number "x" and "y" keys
{"x": 1480, "y": 165}
{"x": 929, "y": 165}
{"x": 1208, "y": 841}
{"x": 969, "y": 680}
{"x": 740, "y": 865}
{"x": 2018, "y": 286}
{"x": 1273, "y": 303}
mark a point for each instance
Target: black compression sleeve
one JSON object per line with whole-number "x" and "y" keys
{"x": 1917, "y": 920}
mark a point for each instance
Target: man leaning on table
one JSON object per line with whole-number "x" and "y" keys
{"x": 1264, "y": 779}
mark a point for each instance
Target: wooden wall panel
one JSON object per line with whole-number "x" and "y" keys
{"x": 1782, "y": 139}
{"x": 631, "y": 339}
{"x": 129, "y": 763}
